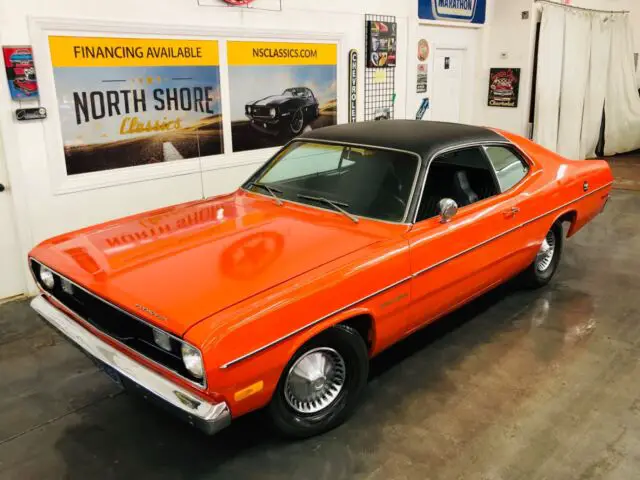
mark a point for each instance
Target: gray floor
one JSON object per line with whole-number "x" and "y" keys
{"x": 518, "y": 385}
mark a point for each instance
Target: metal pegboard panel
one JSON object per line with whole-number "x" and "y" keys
{"x": 379, "y": 82}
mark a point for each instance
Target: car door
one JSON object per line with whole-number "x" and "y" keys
{"x": 478, "y": 248}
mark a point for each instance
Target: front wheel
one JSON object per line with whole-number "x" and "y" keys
{"x": 321, "y": 385}
{"x": 540, "y": 272}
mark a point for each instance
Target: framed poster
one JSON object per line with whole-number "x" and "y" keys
{"x": 504, "y": 85}
{"x": 279, "y": 90}
{"x": 469, "y": 11}
{"x": 21, "y": 74}
{"x": 126, "y": 102}
{"x": 381, "y": 44}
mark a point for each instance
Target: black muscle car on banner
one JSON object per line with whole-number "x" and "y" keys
{"x": 286, "y": 113}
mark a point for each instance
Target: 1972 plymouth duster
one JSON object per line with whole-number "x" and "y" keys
{"x": 286, "y": 113}
{"x": 346, "y": 241}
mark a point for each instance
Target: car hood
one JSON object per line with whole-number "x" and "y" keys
{"x": 179, "y": 265}
{"x": 271, "y": 100}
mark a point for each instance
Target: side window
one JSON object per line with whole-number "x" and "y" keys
{"x": 509, "y": 167}
{"x": 463, "y": 175}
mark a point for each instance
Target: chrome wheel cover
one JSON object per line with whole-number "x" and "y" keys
{"x": 297, "y": 121}
{"x": 315, "y": 380}
{"x": 544, "y": 257}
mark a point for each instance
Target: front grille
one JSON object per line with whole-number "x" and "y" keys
{"x": 260, "y": 111}
{"x": 116, "y": 323}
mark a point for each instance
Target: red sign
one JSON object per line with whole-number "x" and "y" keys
{"x": 21, "y": 73}
{"x": 238, "y": 2}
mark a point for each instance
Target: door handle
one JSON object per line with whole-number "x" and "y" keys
{"x": 511, "y": 212}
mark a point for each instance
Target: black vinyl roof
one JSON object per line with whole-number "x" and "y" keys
{"x": 422, "y": 137}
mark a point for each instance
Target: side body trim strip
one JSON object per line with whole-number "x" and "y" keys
{"x": 425, "y": 270}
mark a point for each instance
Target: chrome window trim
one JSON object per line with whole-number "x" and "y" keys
{"x": 399, "y": 282}
{"x": 357, "y": 145}
{"x": 442, "y": 151}
{"x": 200, "y": 386}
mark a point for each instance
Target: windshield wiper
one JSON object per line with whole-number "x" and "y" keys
{"x": 332, "y": 203}
{"x": 272, "y": 191}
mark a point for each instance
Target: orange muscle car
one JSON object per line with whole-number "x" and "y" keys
{"x": 347, "y": 240}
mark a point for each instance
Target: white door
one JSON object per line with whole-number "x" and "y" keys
{"x": 447, "y": 85}
{"x": 11, "y": 272}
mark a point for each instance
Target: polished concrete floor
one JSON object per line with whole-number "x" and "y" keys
{"x": 519, "y": 385}
{"x": 626, "y": 170}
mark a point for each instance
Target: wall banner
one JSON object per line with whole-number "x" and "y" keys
{"x": 125, "y": 102}
{"x": 279, "y": 90}
{"x": 470, "y": 11}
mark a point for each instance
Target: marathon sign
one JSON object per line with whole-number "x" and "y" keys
{"x": 470, "y": 11}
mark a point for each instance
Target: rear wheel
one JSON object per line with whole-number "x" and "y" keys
{"x": 321, "y": 385}
{"x": 297, "y": 122}
{"x": 540, "y": 272}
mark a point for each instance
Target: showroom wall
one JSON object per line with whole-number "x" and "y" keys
{"x": 48, "y": 203}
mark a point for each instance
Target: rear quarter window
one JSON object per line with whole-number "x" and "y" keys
{"x": 510, "y": 168}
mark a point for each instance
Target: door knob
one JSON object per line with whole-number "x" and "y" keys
{"x": 2, "y": 188}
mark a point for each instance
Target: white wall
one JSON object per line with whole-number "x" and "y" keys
{"x": 508, "y": 42}
{"x": 43, "y": 213}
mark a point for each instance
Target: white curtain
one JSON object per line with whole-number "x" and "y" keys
{"x": 575, "y": 72}
{"x": 585, "y": 65}
{"x": 549, "y": 77}
{"x": 622, "y": 105}
{"x": 600, "y": 45}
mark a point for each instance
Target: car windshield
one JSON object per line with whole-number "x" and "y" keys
{"x": 365, "y": 182}
{"x": 290, "y": 92}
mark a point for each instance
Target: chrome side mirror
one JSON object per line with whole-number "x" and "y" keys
{"x": 448, "y": 209}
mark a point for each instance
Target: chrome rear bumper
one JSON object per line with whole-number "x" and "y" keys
{"x": 208, "y": 417}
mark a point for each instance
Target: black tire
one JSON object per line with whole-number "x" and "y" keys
{"x": 534, "y": 276}
{"x": 297, "y": 117}
{"x": 351, "y": 347}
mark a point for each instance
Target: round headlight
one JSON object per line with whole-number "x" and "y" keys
{"x": 272, "y": 112}
{"x": 47, "y": 278}
{"x": 192, "y": 360}
{"x": 249, "y": 109}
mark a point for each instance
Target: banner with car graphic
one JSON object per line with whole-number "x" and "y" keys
{"x": 279, "y": 90}
{"x": 125, "y": 102}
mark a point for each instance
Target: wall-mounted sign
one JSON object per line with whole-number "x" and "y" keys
{"x": 21, "y": 73}
{"x": 125, "y": 102}
{"x": 424, "y": 105}
{"x": 23, "y": 114}
{"x": 353, "y": 85}
{"x": 470, "y": 11}
{"x": 298, "y": 92}
{"x": 272, "y": 5}
{"x": 422, "y": 79}
{"x": 504, "y": 84}
{"x": 381, "y": 44}
{"x": 423, "y": 50}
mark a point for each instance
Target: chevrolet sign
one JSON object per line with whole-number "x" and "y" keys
{"x": 472, "y": 11}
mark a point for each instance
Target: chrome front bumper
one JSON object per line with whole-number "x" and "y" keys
{"x": 208, "y": 417}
